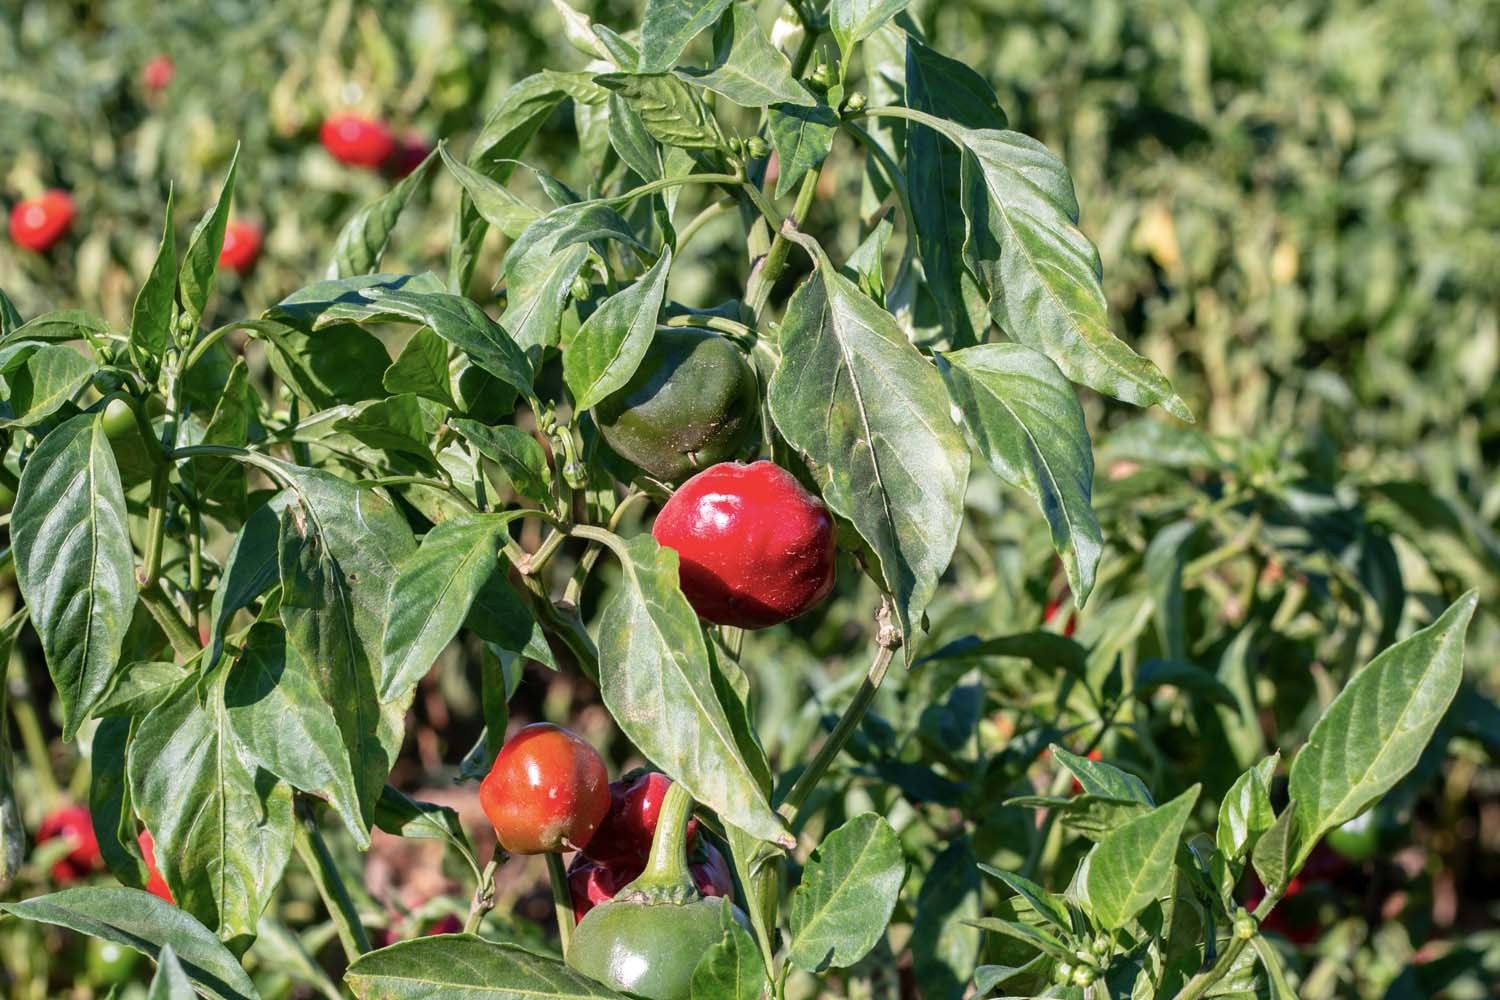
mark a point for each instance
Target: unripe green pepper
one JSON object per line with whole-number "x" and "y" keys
{"x": 692, "y": 403}
{"x": 648, "y": 940}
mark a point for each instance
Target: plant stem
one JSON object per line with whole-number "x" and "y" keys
{"x": 484, "y": 894}
{"x": 669, "y": 182}
{"x": 890, "y": 641}
{"x": 35, "y": 745}
{"x": 562, "y": 900}
{"x": 184, "y": 642}
{"x": 703, "y": 218}
{"x": 590, "y": 556}
{"x": 1200, "y": 984}
{"x": 313, "y": 851}
{"x": 666, "y": 866}
{"x": 156, "y": 527}
{"x": 774, "y": 264}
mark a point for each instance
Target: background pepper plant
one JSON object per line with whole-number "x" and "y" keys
{"x": 242, "y": 546}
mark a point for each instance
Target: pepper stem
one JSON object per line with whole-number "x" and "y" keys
{"x": 666, "y": 867}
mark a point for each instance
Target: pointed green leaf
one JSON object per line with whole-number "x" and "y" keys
{"x": 74, "y": 562}
{"x": 733, "y": 968}
{"x": 872, "y": 418}
{"x": 1275, "y": 853}
{"x": 365, "y": 236}
{"x": 802, "y": 138}
{"x": 1028, "y": 424}
{"x": 195, "y": 280}
{"x": 1245, "y": 812}
{"x": 171, "y": 982}
{"x": 668, "y": 25}
{"x": 1379, "y": 724}
{"x": 847, "y": 894}
{"x": 1132, "y": 867}
{"x": 462, "y": 967}
{"x": 151, "y": 317}
{"x": 748, "y": 69}
{"x": 517, "y": 453}
{"x": 852, "y": 21}
{"x": 39, "y": 380}
{"x": 609, "y": 346}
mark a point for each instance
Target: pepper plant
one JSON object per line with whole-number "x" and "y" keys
{"x": 242, "y": 545}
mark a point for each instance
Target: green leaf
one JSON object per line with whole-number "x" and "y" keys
{"x": 59, "y": 326}
{"x": 748, "y": 69}
{"x": 1275, "y": 854}
{"x": 431, "y": 595}
{"x": 542, "y": 263}
{"x": 1275, "y": 974}
{"x": 10, "y": 318}
{"x": 280, "y": 718}
{"x": 1045, "y": 649}
{"x": 507, "y": 212}
{"x": 945, "y": 944}
{"x": 12, "y": 833}
{"x": 151, "y": 316}
{"x": 1099, "y": 778}
{"x": 462, "y": 967}
{"x": 338, "y": 364}
{"x": 1037, "y": 898}
{"x": 852, "y": 21}
{"x": 668, "y": 26}
{"x": 865, "y": 265}
{"x": 39, "y": 380}
{"x": 1027, "y": 423}
{"x": 142, "y": 686}
{"x": 171, "y": 982}
{"x": 655, "y": 678}
{"x": 669, "y": 109}
{"x": 365, "y": 236}
{"x": 609, "y": 346}
{"x": 1166, "y": 558}
{"x": 1132, "y": 867}
{"x": 339, "y": 549}
{"x": 422, "y": 369}
{"x": 396, "y": 425}
{"x": 1374, "y": 731}
{"x": 733, "y": 968}
{"x": 249, "y": 569}
{"x": 195, "y": 280}
{"x": 140, "y": 921}
{"x": 1245, "y": 812}
{"x": 802, "y": 138}
{"x": 115, "y": 825}
{"x": 223, "y": 828}
{"x": 1189, "y": 677}
{"x": 1094, "y": 816}
{"x": 1041, "y": 272}
{"x": 847, "y": 894}
{"x": 517, "y": 453}
{"x": 872, "y": 418}
{"x": 74, "y": 563}
{"x": 222, "y": 480}
{"x": 400, "y": 816}
{"x": 1034, "y": 937}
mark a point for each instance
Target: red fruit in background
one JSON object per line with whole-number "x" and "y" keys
{"x": 73, "y": 824}
{"x": 358, "y": 141}
{"x": 447, "y": 925}
{"x": 1095, "y": 754}
{"x": 547, "y": 792}
{"x": 411, "y": 149}
{"x": 1070, "y": 626}
{"x": 155, "y": 883}
{"x": 591, "y": 883}
{"x": 241, "y": 247}
{"x": 38, "y": 223}
{"x": 625, "y": 835}
{"x": 157, "y": 74}
{"x": 756, "y": 549}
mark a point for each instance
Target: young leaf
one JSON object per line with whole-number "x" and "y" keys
{"x": 140, "y": 921}
{"x": 655, "y": 679}
{"x": 422, "y": 369}
{"x": 748, "y": 69}
{"x": 1037, "y": 898}
{"x": 171, "y": 982}
{"x": 1099, "y": 778}
{"x": 74, "y": 563}
{"x": 151, "y": 316}
{"x": 852, "y": 21}
{"x": 507, "y": 212}
{"x": 223, "y": 832}
{"x": 668, "y": 25}
{"x": 1245, "y": 812}
{"x": 733, "y": 968}
{"x": 459, "y": 965}
{"x": 365, "y": 236}
{"x": 610, "y": 344}
{"x": 847, "y": 894}
{"x": 517, "y": 453}
{"x": 222, "y": 480}
{"x": 1132, "y": 866}
{"x": 1376, "y": 728}
{"x": 249, "y": 569}
{"x": 1275, "y": 853}
{"x": 431, "y": 595}
{"x": 669, "y": 109}
{"x": 195, "y": 279}
{"x": 872, "y": 418}
{"x": 1026, "y": 421}
{"x": 10, "y": 318}
{"x": 802, "y": 138}
{"x": 275, "y": 711}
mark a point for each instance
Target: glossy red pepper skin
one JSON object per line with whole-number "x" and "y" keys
{"x": 72, "y": 823}
{"x": 38, "y": 224}
{"x": 635, "y": 805}
{"x": 358, "y": 141}
{"x": 755, "y": 548}
{"x": 547, "y": 792}
{"x": 241, "y": 249}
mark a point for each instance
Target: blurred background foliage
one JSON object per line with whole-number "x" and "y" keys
{"x": 1298, "y": 210}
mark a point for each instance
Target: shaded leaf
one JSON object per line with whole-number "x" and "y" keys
{"x": 847, "y": 894}
{"x": 609, "y": 346}
{"x": 362, "y": 241}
